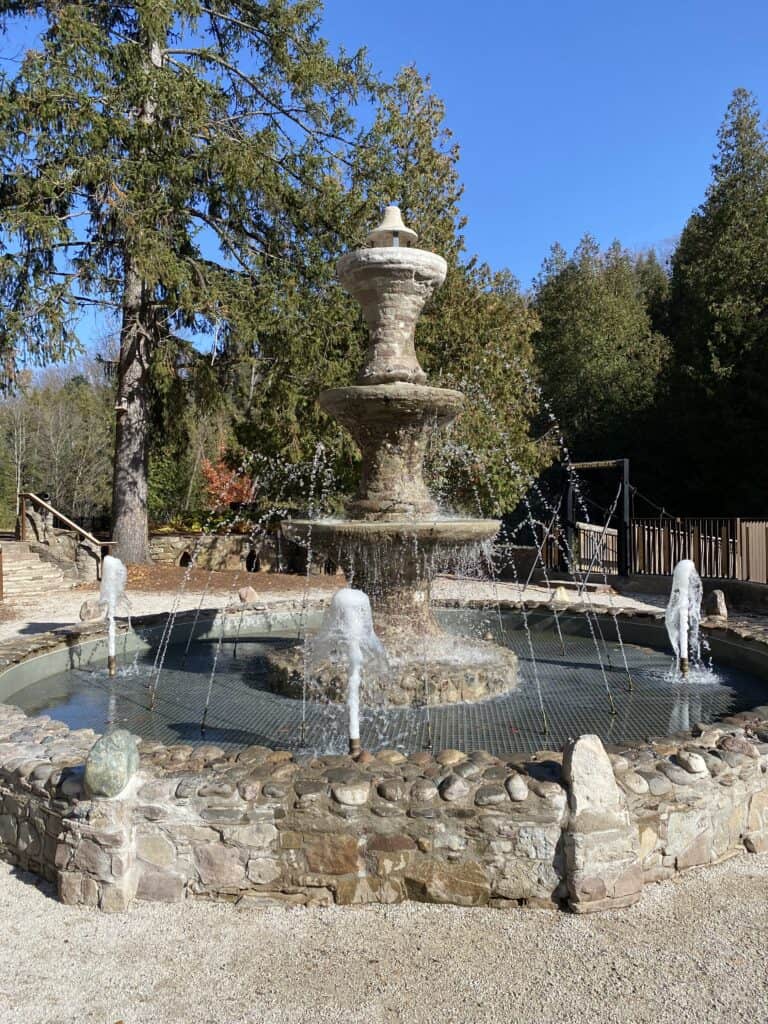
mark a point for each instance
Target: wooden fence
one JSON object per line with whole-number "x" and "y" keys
{"x": 752, "y": 550}
{"x": 724, "y": 548}
{"x": 597, "y": 549}
{"x": 711, "y": 544}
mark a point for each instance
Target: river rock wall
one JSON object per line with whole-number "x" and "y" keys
{"x": 582, "y": 829}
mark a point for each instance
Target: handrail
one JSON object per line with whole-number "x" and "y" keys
{"x": 59, "y": 515}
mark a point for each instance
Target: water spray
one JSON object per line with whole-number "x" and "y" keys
{"x": 114, "y": 576}
{"x": 683, "y": 615}
{"x": 346, "y": 637}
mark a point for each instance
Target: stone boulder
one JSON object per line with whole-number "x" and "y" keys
{"x": 111, "y": 763}
{"x": 87, "y": 561}
{"x": 714, "y": 604}
{"x": 603, "y": 869}
{"x": 91, "y": 610}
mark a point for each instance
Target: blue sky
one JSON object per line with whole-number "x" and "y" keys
{"x": 572, "y": 117}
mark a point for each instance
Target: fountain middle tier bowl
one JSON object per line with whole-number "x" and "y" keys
{"x": 373, "y": 551}
{"x": 386, "y": 406}
{"x": 392, "y": 424}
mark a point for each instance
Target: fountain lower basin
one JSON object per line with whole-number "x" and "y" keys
{"x": 237, "y": 820}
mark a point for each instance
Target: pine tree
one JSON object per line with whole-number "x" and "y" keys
{"x": 156, "y": 158}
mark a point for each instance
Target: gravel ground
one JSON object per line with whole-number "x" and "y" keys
{"x": 692, "y": 951}
{"x": 62, "y": 607}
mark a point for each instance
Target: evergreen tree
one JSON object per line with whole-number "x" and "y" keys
{"x": 719, "y": 326}
{"x": 653, "y": 281}
{"x": 156, "y": 156}
{"x": 599, "y": 355}
{"x": 194, "y": 167}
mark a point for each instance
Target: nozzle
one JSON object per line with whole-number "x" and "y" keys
{"x": 112, "y": 666}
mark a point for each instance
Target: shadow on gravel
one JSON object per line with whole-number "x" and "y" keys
{"x": 33, "y": 628}
{"x": 48, "y": 889}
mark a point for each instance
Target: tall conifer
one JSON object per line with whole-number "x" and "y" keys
{"x": 156, "y": 156}
{"x": 719, "y": 326}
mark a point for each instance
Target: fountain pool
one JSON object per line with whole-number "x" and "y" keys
{"x": 244, "y": 710}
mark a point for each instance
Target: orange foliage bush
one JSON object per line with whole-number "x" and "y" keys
{"x": 225, "y": 485}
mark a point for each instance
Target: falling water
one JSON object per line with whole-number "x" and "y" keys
{"x": 165, "y": 638}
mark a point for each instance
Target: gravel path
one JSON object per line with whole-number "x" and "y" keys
{"x": 62, "y": 607}
{"x": 694, "y": 950}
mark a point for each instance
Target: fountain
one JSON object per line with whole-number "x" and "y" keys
{"x": 395, "y": 541}
{"x": 259, "y": 799}
{"x": 683, "y": 615}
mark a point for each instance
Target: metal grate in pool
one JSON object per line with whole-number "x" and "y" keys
{"x": 242, "y": 711}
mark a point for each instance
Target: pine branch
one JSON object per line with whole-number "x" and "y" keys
{"x": 208, "y": 55}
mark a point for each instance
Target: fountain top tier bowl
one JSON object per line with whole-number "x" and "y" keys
{"x": 392, "y": 283}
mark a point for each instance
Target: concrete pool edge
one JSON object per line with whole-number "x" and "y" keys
{"x": 265, "y": 828}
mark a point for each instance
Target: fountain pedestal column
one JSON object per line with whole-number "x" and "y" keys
{"x": 394, "y": 543}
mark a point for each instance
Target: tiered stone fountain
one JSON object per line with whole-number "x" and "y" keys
{"x": 395, "y": 541}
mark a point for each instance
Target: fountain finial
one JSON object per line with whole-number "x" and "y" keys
{"x": 392, "y": 232}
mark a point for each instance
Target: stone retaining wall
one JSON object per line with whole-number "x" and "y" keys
{"x": 210, "y": 552}
{"x": 583, "y": 829}
{"x": 266, "y": 553}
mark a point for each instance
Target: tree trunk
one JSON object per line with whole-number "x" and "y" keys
{"x": 130, "y": 525}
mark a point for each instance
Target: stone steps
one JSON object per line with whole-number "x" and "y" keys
{"x": 15, "y": 550}
{"x": 26, "y": 574}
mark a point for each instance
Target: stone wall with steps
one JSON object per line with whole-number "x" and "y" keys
{"x": 582, "y": 828}
{"x": 27, "y": 573}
